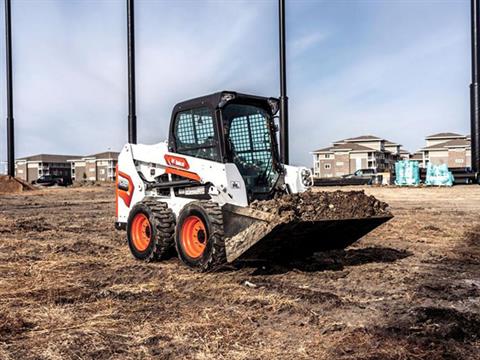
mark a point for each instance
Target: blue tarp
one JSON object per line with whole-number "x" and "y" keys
{"x": 438, "y": 175}
{"x": 407, "y": 173}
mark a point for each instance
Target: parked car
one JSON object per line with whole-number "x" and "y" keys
{"x": 359, "y": 177}
{"x": 48, "y": 180}
{"x": 362, "y": 173}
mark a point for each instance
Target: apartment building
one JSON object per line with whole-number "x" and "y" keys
{"x": 362, "y": 152}
{"x": 446, "y": 148}
{"x": 404, "y": 154}
{"x": 96, "y": 167}
{"x": 30, "y": 168}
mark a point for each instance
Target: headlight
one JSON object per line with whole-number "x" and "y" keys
{"x": 306, "y": 177}
{"x": 305, "y": 173}
{"x": 307, "y": 182}
{"x": 227, "y": 97}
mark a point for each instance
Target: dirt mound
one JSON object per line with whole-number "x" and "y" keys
{"x": 311, "y": 206}
{"x": 9, "y": 184}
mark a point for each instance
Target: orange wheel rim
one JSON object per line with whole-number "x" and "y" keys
{"x": 193, "y": 236}
{"x": 141, "y": 232}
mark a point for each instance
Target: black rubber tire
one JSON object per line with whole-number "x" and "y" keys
{"x": 162, "y": 224}
{"x": 214, "y": 255}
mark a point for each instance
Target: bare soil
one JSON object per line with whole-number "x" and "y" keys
{"x": 69, "y": 289}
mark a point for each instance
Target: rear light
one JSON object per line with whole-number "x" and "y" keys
{"x": 125, "y": 188}
{"x": 123, "y": 184}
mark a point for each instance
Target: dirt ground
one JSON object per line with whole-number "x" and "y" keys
{"x": 69, "y": 289}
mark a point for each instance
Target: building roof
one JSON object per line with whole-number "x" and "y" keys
{"x": 457, "y": 143}
{"x": 417, "y": 156}
{"x": 326, "y": 150}
{"x": 439, "y": 146}
{"x": 105, "y": 155}
{"x": 49, "y": 158}
{"x": 364, "y": 138}
{"x": 345, "y": 147}
{"x": 449, "y": 144}
{"x": 350, "y": 144}
{"x": 444, "y": 135}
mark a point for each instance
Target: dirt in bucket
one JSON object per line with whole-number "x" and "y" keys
{"x": 311, "y": 206}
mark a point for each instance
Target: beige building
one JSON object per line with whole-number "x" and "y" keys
{"x": 30, "y": 168}
{"x": 446, "y": 148}
{"x": 349, "y": 155}
{"x": 97, "y": 167}
{"x": 404, "y": 154}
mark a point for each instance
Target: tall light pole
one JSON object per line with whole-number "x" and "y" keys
{"x": 132, "y": 116}
{"x": 10, "y": 129}
{"x": 474, "y": 87}
{"x": 283, "y": 86}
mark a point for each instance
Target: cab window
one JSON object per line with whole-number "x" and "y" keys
{"x": 195, "y": 134}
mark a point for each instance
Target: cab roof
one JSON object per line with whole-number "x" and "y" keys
{"x": 221, "y": 98}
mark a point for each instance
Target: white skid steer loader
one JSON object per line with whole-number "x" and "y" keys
{"x": 193, "y": 191}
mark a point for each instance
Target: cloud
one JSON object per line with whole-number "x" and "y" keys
{"x": 348, "y": 72}
{"x": 403, "y": 95}
{"x": 305, "y": 42}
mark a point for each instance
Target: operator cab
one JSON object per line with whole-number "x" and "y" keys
{"x": 234, "y": 128}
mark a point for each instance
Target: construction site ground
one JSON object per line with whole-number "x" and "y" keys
{"x": 69, "y": 288}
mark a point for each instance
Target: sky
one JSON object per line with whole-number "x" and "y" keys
{"x": 398, "y": 69}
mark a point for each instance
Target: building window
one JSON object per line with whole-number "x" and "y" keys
{"x": 327, "y": 166}
{"x": 327, "y": 156}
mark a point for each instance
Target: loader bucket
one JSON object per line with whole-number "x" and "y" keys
{"x": 256, "y": 234}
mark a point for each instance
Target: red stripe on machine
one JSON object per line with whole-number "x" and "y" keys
{"x": 183, "y": 173}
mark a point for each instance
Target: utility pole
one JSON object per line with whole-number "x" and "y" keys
{"x": 283, "y": 86}
{"x": 474, "y": 88}
{"x": 10, "y": 130}
{"x": 132, "y": 116}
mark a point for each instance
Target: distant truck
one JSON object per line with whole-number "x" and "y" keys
{"x": 48, "y": 180}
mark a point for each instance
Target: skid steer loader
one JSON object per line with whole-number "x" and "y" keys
{"x": 193, "y": 191}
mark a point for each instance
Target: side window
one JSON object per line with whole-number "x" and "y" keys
{"x": 195, "y": 134}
